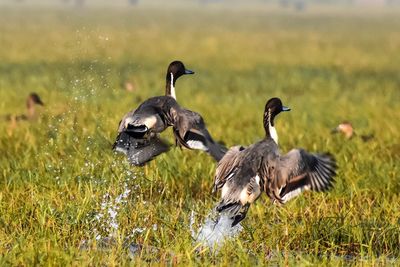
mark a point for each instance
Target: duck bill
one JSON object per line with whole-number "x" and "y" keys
{"x": 335, "y": 130}
{"x": 285, "y": 108}
{"x": 189, "y": 72}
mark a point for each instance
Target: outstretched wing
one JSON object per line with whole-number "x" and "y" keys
{"x": 298, "y": 171}
{"x": 145, "y": 151}
{"x": 139, "y": 150}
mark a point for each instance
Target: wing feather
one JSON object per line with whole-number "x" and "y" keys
{"x": 299, "y": 170}
{"x": 191, "y": 132}
{"x": 227, "y": 166}
{"x": 141, "y": 154}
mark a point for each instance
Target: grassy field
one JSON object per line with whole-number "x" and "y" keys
{"x": 59, "y": 177}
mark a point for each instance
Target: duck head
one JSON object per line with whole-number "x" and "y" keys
{"x": 273, "y": 107}
{"x": 175, "y": 70}
{"x": 33, "y": 99}
{"x": 345, "y": 128}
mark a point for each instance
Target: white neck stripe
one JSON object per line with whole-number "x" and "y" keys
{"x": 273, "y": 133}
{"x": 172, "y": 87}
{"x": 272, "y": 130}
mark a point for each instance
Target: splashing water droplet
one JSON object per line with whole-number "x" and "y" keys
{"x": 215, "y": 231}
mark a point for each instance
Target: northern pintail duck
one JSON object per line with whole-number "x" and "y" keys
{"x": 244, "y": 172}
{"x": 347, "y": 129}
{"x": 128, "y": 86}
{"x": 138, "y": 132}
{"x": 32, "y": 100}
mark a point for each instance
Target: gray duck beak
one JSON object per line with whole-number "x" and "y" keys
{"x": 189, "y": 72}
{"x": 285, "y": 108}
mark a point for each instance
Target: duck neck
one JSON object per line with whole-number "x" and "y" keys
{"x": 170, "y": 86}
{"x": 30, "y": 106}
{"x": 270, "y": 131}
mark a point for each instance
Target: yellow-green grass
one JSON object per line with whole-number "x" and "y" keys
{"x": 56, "y": 170}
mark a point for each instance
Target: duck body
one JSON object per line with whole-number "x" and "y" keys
{"x": 142, "y": 126}
{"x": 138, "y": 132}
{"x": 241, "y": 183}
{"x": 153, "y": 114}
{"x": 244, "y": 173}
{"x": 231, "y": 187}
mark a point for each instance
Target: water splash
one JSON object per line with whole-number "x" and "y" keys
{"x": 105, "y": 231}
{"x": 107, "y": 216}
{"x": 215, "y": 231}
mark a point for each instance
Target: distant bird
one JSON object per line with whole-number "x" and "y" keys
{"x": 128, "y": 86}
{"x": 138, "y": 132}
{"x": 32, "y": 100}
{"x": 243, "y": 173}
{"x": 346, "y": 128}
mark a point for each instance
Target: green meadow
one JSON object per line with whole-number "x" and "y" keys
{"x": 59, "y": 177}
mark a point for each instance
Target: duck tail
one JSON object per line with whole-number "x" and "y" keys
{"x": 235, "y": 210}
{"x": 217, "y": 151}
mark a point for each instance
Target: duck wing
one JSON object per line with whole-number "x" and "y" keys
{"x": 123, "y": 141}
{"x": 144, "y": 150}
{"x": 227, "y": 167}
{"x": 299, "y": 170}
{"x": 139, "y": 149}
{"x": 191, "y": 132}
{"x": 143, "y": 121}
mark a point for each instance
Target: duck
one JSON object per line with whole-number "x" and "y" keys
{"x": 347, "y": 129}
{"x": 245, "y": 172}
{"x": 139, "y": 130}
{"x": 32, "y": 100}
{"x": 128, "y": 86}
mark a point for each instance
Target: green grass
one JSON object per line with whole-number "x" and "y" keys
{"x": 327, "y": 67}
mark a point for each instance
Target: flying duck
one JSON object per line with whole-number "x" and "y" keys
{"x": 346, "y": 128}
{"x": 138, "y": 131}
{"x": 244, "y": 172}
{"x": 32, "y": 100}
